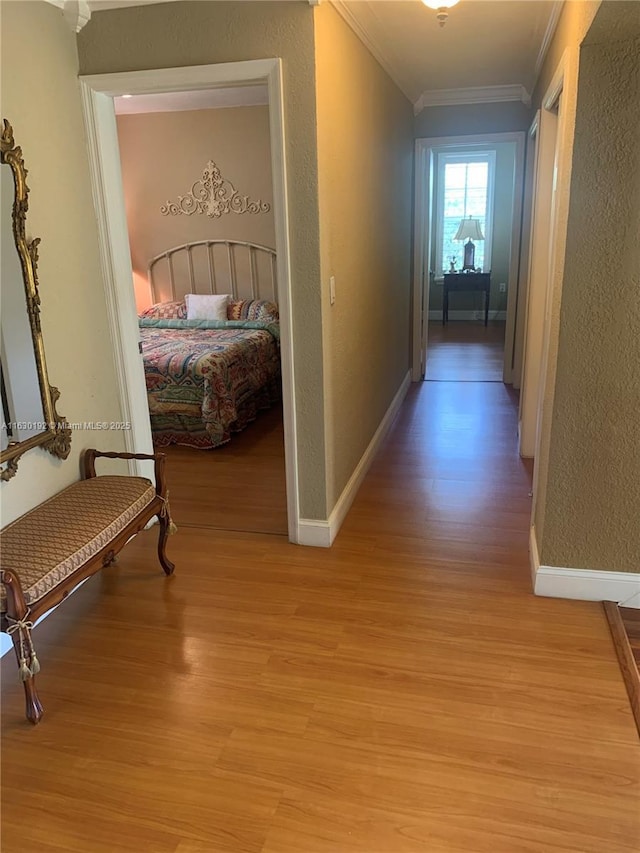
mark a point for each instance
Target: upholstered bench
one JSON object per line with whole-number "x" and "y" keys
{"x": 47, "y": 552}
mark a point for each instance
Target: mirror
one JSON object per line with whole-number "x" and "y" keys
{"x": 29, "y": 417}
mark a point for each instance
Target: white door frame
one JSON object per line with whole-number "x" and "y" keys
{"x": 421, "y": 253}
{"x": 530, "y": 172}
{"x": 551, "y": 99}
{"x": 540, "y": 273}
{"x": 424, "y": 157}
{"x": 98, "y": 92}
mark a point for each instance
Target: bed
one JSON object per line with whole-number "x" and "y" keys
{"x": 208, "y": 377}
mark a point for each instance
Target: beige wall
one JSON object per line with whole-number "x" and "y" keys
{"x": 162, "y": 154}
{"x": 470, "y": 119}
{"x": 40, "y": 97}
{"x": 199, "y": 33}
{"x": 592, "y": 506}
{"x": 501, "y": 238}
{"x": 365, "y": 151}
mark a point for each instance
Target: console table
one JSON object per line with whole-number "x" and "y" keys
{"x": 467, "y": 282}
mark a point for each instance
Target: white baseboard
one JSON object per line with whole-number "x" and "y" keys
{"x": 320, "y": 533}
{"x": 468, "y": 315}
{"x": 582, "y": 584}
{"x": 315, "y": 533}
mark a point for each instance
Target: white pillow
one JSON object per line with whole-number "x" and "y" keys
{"x": 207, "y": 306}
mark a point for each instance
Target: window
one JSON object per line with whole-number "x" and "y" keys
{"x": 464, "y": 188}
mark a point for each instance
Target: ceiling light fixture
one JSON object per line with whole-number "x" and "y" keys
{"x": 441, "y": 7}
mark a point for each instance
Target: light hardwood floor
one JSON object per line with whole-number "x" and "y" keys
{"x": 402, "y": 692}
{"x": 239, "y": 486}
{"x": 465, "y": 351}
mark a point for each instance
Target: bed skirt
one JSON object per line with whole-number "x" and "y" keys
{"x": 191, "y": 432}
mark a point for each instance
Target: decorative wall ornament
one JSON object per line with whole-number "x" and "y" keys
{"x": 214, "y": 195}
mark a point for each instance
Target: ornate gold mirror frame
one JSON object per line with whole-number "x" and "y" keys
{"x": 55, "y": 436}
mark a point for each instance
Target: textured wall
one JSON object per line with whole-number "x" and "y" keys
{"x": 40, "y": 97}
{"x": 162, "y": 154}
{"x": 592, "y": 508}
{"x": 575, "y": 20}
{"x": 200, "y": 33}
{"x": 470, "y": 119}
{"x": 365, "y": 150}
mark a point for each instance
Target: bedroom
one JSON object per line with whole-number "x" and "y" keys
{"x": 196, "y": 173}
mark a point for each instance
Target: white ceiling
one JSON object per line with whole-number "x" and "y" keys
{"x": 204, "y": 99}
{"x": 485, "y": 43}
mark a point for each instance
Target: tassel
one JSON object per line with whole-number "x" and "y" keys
{"x": 35, "y": 663}
{"x": 23, "y": 627}
{"x": 165, "y": 513}
{"x": 25, "y": 672}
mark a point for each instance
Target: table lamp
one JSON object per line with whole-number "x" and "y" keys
{"x": 469, "y": 228}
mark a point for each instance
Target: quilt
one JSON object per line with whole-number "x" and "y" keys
{"x": 208, "y": 379}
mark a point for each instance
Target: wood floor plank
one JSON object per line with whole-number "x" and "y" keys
{"x": 364, "y": 828}
{"x": 401, "y": 692}
{"x": 465, "y": 351}
{"x": 238, "y": 486}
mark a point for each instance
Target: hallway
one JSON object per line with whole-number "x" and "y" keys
{"x": 401, "y": 692}
{"x": 451, "y": 478}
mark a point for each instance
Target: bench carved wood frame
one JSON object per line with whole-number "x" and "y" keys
{"x": 17, "y": 609}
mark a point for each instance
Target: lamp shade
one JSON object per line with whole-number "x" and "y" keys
{"x": 469, "y": 228}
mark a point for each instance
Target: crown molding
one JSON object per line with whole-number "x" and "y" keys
{"x": 76, "y": 12}
{"x": 373, "y": 46}
{"x": 473, "y": 95}
{"x": 549, "y": 33}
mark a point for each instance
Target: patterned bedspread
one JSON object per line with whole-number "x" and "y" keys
{"x": 204, "y": 383}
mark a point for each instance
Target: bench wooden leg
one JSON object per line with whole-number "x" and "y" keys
{"x": 165, "y": 562}
{"x": 33, "y": 707}
{"x": 20, "y": 630}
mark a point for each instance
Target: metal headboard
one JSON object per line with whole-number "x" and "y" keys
{"x": 245, "y": 270}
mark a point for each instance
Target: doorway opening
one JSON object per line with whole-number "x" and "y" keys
{"x": 196, "y": 171}
{"x": 194, "y": 274}
{"x": 468, "y": 224}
